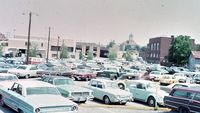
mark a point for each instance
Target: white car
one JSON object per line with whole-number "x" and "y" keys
{"x": 7, "y": 79}
{"x": 36, "y": 97}
{"x": 155, "y": 75}
{"x": 25, "y": 71}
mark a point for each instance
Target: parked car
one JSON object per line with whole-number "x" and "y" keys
{"x": 107, "y": 74}
{"x": 196, "y": 78}
{"x": 125, "y": 80}
{"x": 109, "y": 92}
{"x": 7, "y": 79}
{"x": 155, "y": 75}
{"x": 147, "y": 91}
{"x": 36, "y": 97}
{"x": 168, "y": 79}
{"x": 83, "y": 74}
{"x": 184, "y": 100}
{"x": 68, "y": 89}
{"x": 177, "y": 85}
{"x": 25, "y": 71}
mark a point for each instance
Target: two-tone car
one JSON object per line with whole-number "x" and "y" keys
{"x": 147, "y": 91}
{"x": 68, "y": 89}
{"x": 36, "y": 97}
{"x": 25, "y": 71}
{"x": 108, "y": 91}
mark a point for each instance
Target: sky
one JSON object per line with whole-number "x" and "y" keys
{"x": 101, "y": 21}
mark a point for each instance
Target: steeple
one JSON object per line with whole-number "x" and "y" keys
{"x": 130, "y": 37}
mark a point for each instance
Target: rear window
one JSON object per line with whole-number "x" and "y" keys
{"x": 183, "y": 94}
{"x": 197, "y": 97}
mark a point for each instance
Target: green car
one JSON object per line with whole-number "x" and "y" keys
{"x": 108, "y": 91}
{"x": 147, "y": 91}
{"x": 68, "y": 89}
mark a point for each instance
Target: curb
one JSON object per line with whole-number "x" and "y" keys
{"x": 126, "y": 107}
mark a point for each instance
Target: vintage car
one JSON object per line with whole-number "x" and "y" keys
{"x": 196, "y": 78}
{"x": 125, "y": 80}
{"x": 68, "y": 89}
{"x": 177, "y": 85}
{"x": 155, "y": 75}
{"x": 56, "y": 70}
{"x": 107, "y": 74}
{"x": 184, "y": 100}
{"x": 83, "y": 74}
{"x": 175, "y": 78}
{"x": 109, "y": 92}
{"x": 36, "y": 97}
{"x": 7, "y": 79}
{"x": 147, "y": 91}
{"x": 25, "y": 71}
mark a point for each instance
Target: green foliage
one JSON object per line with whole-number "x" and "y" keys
{"x": 143, "y": 49}
{"x": 180, "y": 50}
{"x": 33, "y": 51}
{"x": 90, "y": 55}
{"x": 128, "y": 56}
{"x": 64, "y": 52}
{"x": 111, "y": 44}
{"x": 112, "y": 55}
{"x": 1, "y": 50}
{"x": 197, "y": 47}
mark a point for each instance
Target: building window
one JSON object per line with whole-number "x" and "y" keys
{"x": 157, "y": 55}
{"x": 4, "y": 44}
{"x": 26, "y": 43}
{"x": 151, "y": 46}
{"x": 154, "y": 55}
{"x": 158, "y": 46}
{"x": 151, "y": 55}
{"x": 41, "y": 44}
{"x": 55, "y": 48}
{"x": 54, "y": 55}
{"x": 95, "y": 49}
{"x": 154, "y": 46}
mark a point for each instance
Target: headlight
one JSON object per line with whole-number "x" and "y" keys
{"x": 74, "y": 108}
{"x": 37, "y": 110}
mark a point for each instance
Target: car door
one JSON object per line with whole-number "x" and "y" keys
{"x": 12, "y": 98}
{"x": 99, "y": 89}
{"x": 195, "y": 103}
{"x": 93, "y": 87}
{"x": 138, "y": 90}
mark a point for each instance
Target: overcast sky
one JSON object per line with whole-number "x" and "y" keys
{"x": 102, "y": 20}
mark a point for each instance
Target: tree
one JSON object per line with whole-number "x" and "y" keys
{"x": 90, "y": 55}
{"x": 64, "y": 51}
{"x": 1, "y": 51}
{"x": 33, "y": 50}
{"x": 128, "y": 56}
{"x": 197, "y": 47}
{"x": 180, "y": 50}
{"x": 111, "y": 44}
{"x": 143, "y": 49}
{"x": 112, "y": 54}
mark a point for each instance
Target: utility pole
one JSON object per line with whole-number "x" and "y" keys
{"x": 28, "y": 43}
{"x": 48, "y": 45}
{"x": 58, "y": 46}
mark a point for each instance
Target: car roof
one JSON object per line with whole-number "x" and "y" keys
{"x": 56, "y": 77}
{"x": 196, "y": 89}
{"x": 34, "y": 83}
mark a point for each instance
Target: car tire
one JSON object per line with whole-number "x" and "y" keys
{"x": 124, "y": 103}
{"x": 151, "y": 101}
{"x": 121, "y": 86}
{"x": 183, "y": 110}
{"x": 20, "y": 111}
{"x": 2, "y": 103}
{"x": 106, "y": 100}
{"x": 27, "y": 76}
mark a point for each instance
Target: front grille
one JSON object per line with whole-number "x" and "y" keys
{"x": 80, "y": 94}
{"x": 54, "y": 109}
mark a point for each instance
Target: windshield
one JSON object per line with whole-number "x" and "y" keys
{"x": 42, "y": 91}
{"x": 8, "y": 78}
{"x": 63, "y": 82}
{"x": 111, "y": 85}
{"x": 22, "y": 67}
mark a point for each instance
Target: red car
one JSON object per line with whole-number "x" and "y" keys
{"x": 84, "y": 74}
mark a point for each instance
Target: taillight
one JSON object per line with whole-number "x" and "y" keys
{"x": 37, "y": 110}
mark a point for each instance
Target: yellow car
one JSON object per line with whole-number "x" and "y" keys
{"x": 168, "y": 79}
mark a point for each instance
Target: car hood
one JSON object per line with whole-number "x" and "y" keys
{"x": 73, "y": 88}
{"x": 48, "y": 100}
{"x": 117, "y": 91}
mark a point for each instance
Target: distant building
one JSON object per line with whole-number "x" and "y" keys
{"x": 130, "y": 42}
{"x": 18, "y": 45}
{"x": 194, "y": 60}
{"x": 84, "y": 47}
{"x": 158, "y": 49}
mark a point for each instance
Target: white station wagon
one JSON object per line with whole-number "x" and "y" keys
{"x": 36, "y": 97}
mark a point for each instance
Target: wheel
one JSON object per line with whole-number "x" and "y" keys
{"x": 151, "y": 101}
{"x": 20, "y": 111}
{"x": 106, "y": 100}
{"x": 121, "y": 86}
{"x": 183, "y": 110}
{"x": 27, "y": 76}
{"x": 2, "y": 101}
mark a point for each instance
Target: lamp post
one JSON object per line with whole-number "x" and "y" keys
{"x": 48, "y": 45}
{"x": 28, "y": 43}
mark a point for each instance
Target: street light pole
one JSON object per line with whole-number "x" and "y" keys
{"x": 58, "y": 46}
{"x": 28, "y": 43}
{"x": 48, "y": 45}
